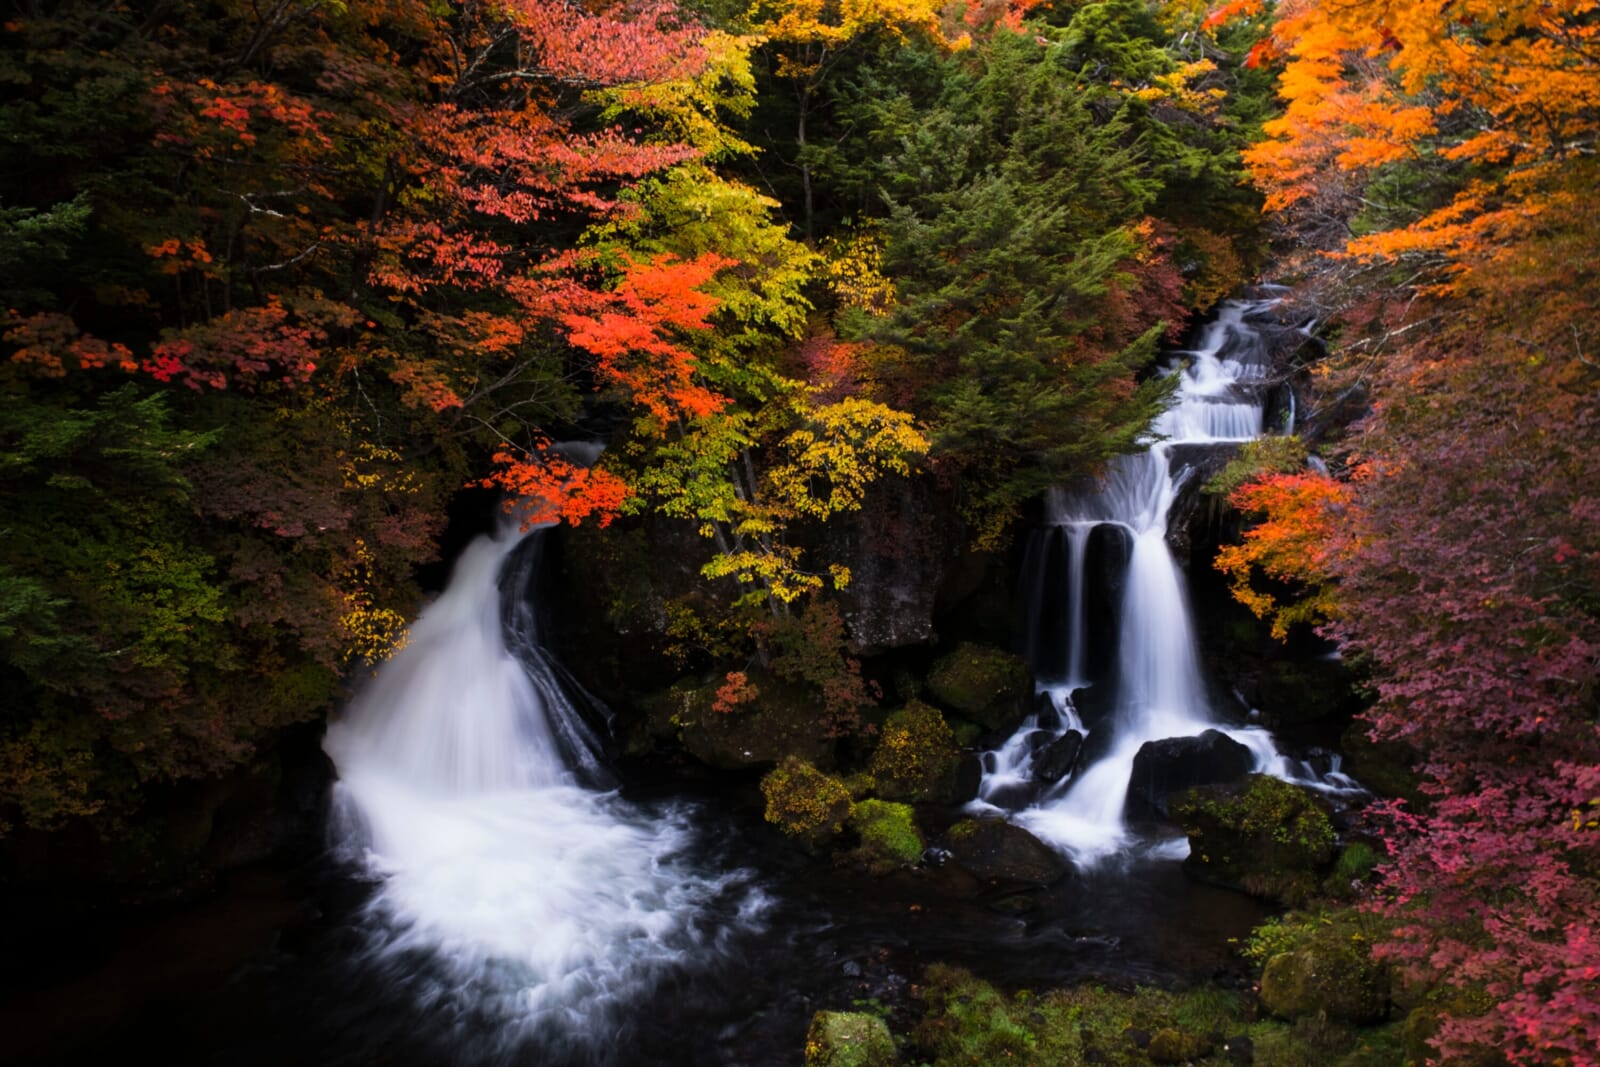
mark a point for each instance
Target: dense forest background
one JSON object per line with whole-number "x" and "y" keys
{"x": 282, "y": 278}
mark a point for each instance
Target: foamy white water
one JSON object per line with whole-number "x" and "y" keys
{"x": 465, "y": 790}
{"x": 1157, "y": 686}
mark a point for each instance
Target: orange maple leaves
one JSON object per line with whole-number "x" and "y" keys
{"x": 1508, "y": 89}
{"x": 633, "y": 332}
{"x": 1305, "y": 521}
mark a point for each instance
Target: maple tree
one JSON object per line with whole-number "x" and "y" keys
{"x": 1438, "y": 161}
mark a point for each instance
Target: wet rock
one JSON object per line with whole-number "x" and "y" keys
{"x": 997, "y": 850}
{"x": 969, "y": 775}
{"x": 1013, "y": 796}
{"x": 898, "y": 548}
{"x": 1263, "y": 836}
{"x": 1164, "y": 768}
{"x": 988, "y": 685}
{"x": 1044, "y": 707}
{"x": 849, "y": 1039}
{"x": 1058, "y": 759}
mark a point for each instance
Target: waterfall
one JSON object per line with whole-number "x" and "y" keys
{"x": 1155, "y": 681}
{"x": 469, "y": 792}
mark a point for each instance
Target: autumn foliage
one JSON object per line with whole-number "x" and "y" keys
{"x": 1438, "y": 162}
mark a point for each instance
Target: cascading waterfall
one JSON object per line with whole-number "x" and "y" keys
{"x": 1156, "y": 683}
{"x": 539, "y": 905}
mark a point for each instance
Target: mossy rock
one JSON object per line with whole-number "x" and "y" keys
{"x": 889, "y": 836}
{"x": 1322, "y": 965}
{"x": 988, "y": 685}
{"x": 1264, "y": 836}
{"x": 999, "y": 851}
{"x": 849, "y": 1039}
{"x": 917, "y": 756}
{"x": 1292, "y": 691}
{"x": 1168, "y": 1045}
{"x": 805, "y": 803}
{"x": 783, "y": 720}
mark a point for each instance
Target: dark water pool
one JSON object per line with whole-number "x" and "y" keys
{"x": 271, "y": 971}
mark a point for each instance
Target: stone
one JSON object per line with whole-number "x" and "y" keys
{"x": 1058, "y": 759}
{"x": 1262, "y": 835}
{"x": 782, "y": 721}
{"x": 1338, "y": 979}
{"x": 917, "y": 757}
{"x": 998, "y": 851}
{"x": 1175, "y": 764}
{"x": 988, "y": 685}
{"x": 969, "y": 775}
{"x": 849, "y": 1039}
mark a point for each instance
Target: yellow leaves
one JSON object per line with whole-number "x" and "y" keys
{"x": 1179, "y": 88}
{"x": 840, "y": 450}
{"x": 371, "y": 633}
{"x": 853, "y": 268}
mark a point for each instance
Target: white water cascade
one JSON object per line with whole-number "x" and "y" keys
{"x": 465, "y": 789}
{"x": 1156, "y": 684}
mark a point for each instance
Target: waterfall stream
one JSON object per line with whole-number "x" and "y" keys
{"x": 510, "y": 888}
{"x": 1155, "y": 683}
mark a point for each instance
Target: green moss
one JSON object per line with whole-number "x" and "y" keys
{"x": 917, "y": 756}
{"x": 849, "y": 1039}
{"x": 804, "y": 802}
{"x": 988, "y": 685}
{"x": 1169, "y": 1045}
{"x": 1265, "y": 836}
{"x": 1273, "y": 454}
{"x": 889, "y": 836}
{"x": 971, "y": 1023}
{"x": 1321, "y": 966}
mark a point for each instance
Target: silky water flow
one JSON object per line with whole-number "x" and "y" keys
{"x": 1156, "y": 682}
{"x": 513, "y": 886}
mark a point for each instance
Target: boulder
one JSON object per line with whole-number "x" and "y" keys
{"x": 889, "y": 836}
{"x": 1327, "y": 976}
{"x": 849, "y": 1039}
{"x": 1058, "y": 759}
{"x": 1263, "y": 836}
{"x": 988, "y": 685}
{"x": 805, "y": 803}
{"x": 917, "y": 757}
{"x": 781, "y": 721}
{"x": 999, "y": 851}
{"x": 1175, "y": 764}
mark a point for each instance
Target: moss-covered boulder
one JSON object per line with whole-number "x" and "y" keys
{"x": 805, "y": 803}
{"x": 999, "y": 851}
{"x": 988, "y": 685}
{"x": 917, "y": 757}
{"x": 1263, "y": 836}
{"x": 1169, "y": 1045}
{"x": 780, "y": 720}
{"x": 1340, "y": 980}
{"x": 849, "y": 1039}
{"x": 889, "y": 835}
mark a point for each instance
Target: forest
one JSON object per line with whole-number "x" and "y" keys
{"x": 794, "y": 322}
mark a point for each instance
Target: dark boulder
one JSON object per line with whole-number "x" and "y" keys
{"x": 1175, "y": 764}
{"x": 1058, "y": 759}
{"x": 998, "y": 851}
